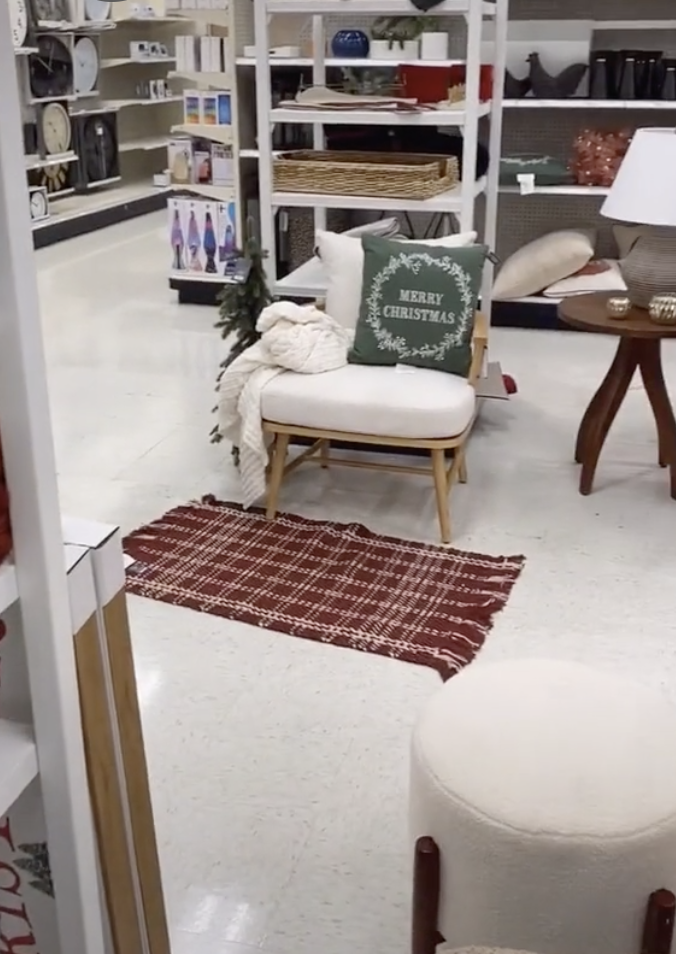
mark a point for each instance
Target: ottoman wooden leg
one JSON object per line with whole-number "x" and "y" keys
{"x": 426, "y": 873}
{"x": 658, "y": 930}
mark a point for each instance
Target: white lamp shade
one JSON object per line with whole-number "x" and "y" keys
{"x": 644, "y": 190}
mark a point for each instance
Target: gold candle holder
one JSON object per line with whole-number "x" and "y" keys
{"x": 618, "y": 307}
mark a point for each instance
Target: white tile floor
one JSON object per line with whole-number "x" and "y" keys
{"x": 279, "y": 766}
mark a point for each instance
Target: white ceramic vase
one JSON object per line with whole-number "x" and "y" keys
{"x": 381, "y": 50}
{"x": 434, "y": 46}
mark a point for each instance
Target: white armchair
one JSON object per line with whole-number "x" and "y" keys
{"x": 425, "y": 409}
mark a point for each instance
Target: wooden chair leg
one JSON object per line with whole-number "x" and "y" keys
{"x": 276, "y": 474}
{"x": 658, "y": 928}
{"x": 441, "y": 489}
{"x": 426, "y": 884}
{"x": 462, "y": 469}
{"x": 324, "y": 453}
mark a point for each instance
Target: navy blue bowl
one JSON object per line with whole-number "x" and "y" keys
{"x": 350, "y": 43}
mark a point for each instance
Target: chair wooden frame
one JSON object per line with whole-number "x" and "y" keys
{"x": 319, "y": 451}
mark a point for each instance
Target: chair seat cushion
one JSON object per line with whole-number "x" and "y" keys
{"x": 413, "y": 403}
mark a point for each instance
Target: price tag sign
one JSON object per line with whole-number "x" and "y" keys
{"x": 526, "y": 182}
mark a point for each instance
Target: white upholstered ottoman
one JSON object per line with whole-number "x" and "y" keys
{"x": 543, "y": 806}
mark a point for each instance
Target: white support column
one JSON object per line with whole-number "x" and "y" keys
{"x": 495, "y": 147}
{"x": 264, "y": 136}
{"x": 31, "y": 475}
{"x": 319, "y": 79}
{"x": 470, "y": 130}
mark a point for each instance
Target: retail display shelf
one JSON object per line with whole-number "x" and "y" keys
{"x": 218, "y": 80}
{"x": 447, "y": 8}
{"x": 445, "y": 202}
{"x": 346, "y": 61}
{"x": 375, "y": 117}
{"x": 52, "y": 99}
{"x": 219, "y": 193}
{"x": 25, "y": 50}
{"x": 58, "y": 159}
{"x": 137, "y": 21}
{"x": 124, "y": 103}
{"x": 78, "y": 214}
{"x": 18, "y": 761}
{"x": 306, "y": 281}
{"x": 634, "y": 25}
{"x": 529, "y": 102}
{"x": 219, "y": 17}
{"x": 145, "y": 144}
{"x": 559, "y": 190}
{"x": 222, "y": 134}
{"x": 9, "y": 592}
{"x": 135, "y": 61}
{"x": 213, "y": 279}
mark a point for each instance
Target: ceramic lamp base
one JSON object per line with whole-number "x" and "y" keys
{"x": 650, "y": 267}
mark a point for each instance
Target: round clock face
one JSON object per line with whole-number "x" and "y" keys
{"x": 56, "y": 129}
{"x": 85, "y": 65}
{"x": 51, "y": 69}
{"x": 38, "y": 204}
{"x": 19, "y": 22}
{"x": 98, "y": 9}
{"x": 100, "y": 148}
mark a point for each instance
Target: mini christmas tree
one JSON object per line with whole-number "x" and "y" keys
{"x": 240, "y": 304}
{"x": 37, "y": 864}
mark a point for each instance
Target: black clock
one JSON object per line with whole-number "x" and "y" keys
{"x": 96, "y": 143}
{"x": 51, "y": 69}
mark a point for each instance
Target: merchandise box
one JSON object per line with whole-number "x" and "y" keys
{"x": 178, "y": 233}
{"x": 179, "y": 160}
{"x": 192, "y": 107}
{"x": 104, "y": 544}
{"x": 222, "y": 165}
{"x": 216, "y": 109}
{"x": 201, "y": 161}
{"x": 205, "y": 54}
{"x": 210, "y": 237}
{"x": 227, "y": 231}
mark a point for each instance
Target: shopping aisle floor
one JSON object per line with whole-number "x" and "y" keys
{"x": 279, "y": 767}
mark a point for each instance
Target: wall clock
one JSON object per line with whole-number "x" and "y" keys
{"x": 55, "y": 133}
{"x": 51, "y": 11}
{"x": 39, "y": 203}
{"x": 97, "y": 148}
{"x": 51, "y": 69}
{"x": 18, "y": 16}
{"x": 85, "y": 65}
{"x": 97, "y": 9}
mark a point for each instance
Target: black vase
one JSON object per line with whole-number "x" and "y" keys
{"x": 646, "y": 64}
{"x": 598, "y": 74}
{"x": 614, "y": 73}
{"x": 627, "y": 88}
{"x": 669, "y": 86}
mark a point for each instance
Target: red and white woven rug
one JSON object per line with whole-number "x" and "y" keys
{"x": 335, "y": 583}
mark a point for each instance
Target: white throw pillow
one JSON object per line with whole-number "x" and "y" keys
{"x": 543, "y": 262}
{"x": 343, "y": 259}
{"x": 608, "y": 280}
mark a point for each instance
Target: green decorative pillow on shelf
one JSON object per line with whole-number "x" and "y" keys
{"x": 417, "y": 305}
{"x": 546, "y": 170}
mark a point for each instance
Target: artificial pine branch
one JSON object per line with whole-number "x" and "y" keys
{"x": 240, "y": 304}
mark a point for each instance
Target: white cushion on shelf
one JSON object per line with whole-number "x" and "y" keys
{"x": 542, "y": 262}
{"x": 362, "y": 399}
{"x": 343, "y": 259}
{"x": 609, "y": 280}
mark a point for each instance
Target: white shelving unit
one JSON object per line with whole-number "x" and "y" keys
{"x": 52, "y": 747}
{"x": 461, "y": 201}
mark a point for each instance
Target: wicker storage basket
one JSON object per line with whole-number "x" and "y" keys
{"x": 379, "y": 174}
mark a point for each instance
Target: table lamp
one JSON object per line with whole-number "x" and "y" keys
{"x": 644, "y": 193}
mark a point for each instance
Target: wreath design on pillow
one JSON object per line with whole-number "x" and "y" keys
{"x": 461, "y": 322}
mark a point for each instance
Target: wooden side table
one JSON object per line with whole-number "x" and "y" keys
{"x": 639, "y": 347}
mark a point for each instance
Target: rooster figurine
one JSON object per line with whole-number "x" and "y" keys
{"x": 563, "y": 86}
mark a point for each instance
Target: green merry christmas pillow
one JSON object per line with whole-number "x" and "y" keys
{"x": 417, "y": 305}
